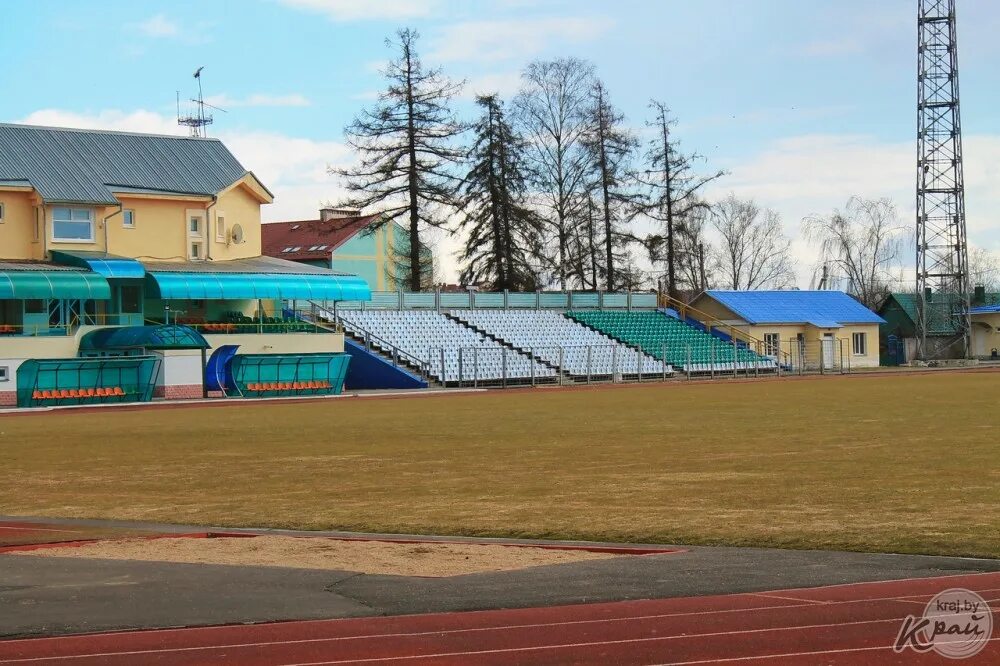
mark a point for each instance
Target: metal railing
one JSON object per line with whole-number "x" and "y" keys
{"x": 532, "y": 300}
{"x": 711, "y": 323}
{"x": 66, "y": 329}
{"x": 502, "y": 365}
{"x": 320, "y": 315}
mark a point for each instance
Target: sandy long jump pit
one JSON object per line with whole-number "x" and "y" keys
{"x": 429, "y": 558}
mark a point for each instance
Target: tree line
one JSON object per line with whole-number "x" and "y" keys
{"x": 547, "y": 189}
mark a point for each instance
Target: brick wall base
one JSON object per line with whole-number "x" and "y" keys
{"x": 8, "y": 398}
{"x": 179, "y": 392}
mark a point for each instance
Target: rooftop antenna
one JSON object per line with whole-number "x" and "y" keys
{"x": 197, "y": 121}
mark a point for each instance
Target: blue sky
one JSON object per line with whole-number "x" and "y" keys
{"x": 805, "y": 102}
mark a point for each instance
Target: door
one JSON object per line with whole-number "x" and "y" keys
{"x": 828, "y": 352}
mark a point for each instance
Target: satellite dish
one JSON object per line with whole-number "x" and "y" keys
{"x": 236, "y": 233}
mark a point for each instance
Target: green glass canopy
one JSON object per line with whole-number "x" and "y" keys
{"x": 147, "y": 337}
{"x": 28, "y": 285}
{"x": 240, "y": 286}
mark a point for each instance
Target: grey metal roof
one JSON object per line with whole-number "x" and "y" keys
{"x": 34, "y": 266}
{"x": 84, "y": 166}
{"x": 250, "y": 265}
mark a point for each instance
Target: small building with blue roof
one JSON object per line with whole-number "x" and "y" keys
{"x": 986, "y": 329}
{"x": 814, "y": 328}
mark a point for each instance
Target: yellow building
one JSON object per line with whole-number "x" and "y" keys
{"x": 811, "y": 329}
{"x": 116, "y": 229}
{"x": 986, "y": 331}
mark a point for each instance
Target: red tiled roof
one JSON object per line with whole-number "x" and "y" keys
{"x": 305, "y": 234}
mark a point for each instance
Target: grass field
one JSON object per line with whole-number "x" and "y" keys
{"x": 904, "y": 463}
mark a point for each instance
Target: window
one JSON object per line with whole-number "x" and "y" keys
{"x": 195, "y": 251}
{"x": 131, "y": 299}
{"x": 4, "y": 373}
{"x": 772, "y": 344}
{"x": 1, "y": 212}
{"x": 35, "y": 306}
{"x": 194, "y": 226}
{"x": 128, "y": 219}
{"x": 220, "y": 228}
{"x": 860, "y": 344}
{"x": 72, "y": 225}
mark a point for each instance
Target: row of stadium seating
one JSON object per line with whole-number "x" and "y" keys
{"x": 668, "y": 338}
{"x": 551, "y": 337}
{"x": 66, "y": 394}
{"x": 311, "y": 385}
{"x": 582, "y": 344}
{"x": 434, "y": 338}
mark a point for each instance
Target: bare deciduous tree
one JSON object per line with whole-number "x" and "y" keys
{"x": 550, "y": 112}
{"x": 753, "y": 249}
{"x": 984, "y": 269}
{"x": 407, "y": 151}
{"x": 862, "y": 244}
{"x": 673, "y": 186}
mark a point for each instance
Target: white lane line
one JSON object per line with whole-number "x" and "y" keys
{"x": 258, "y": 644}
{"x": 162, "y": 632}
{"x": 619, "y": 642}
{"x": 555, "y": 646}
{"x": 439, "y": 632}
{"x": 768, "y": 595}
{"x": 36, "y": 529}
{"x": 724, "y": 660}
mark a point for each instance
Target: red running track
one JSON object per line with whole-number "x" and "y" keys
{"x": 844, "y": 624}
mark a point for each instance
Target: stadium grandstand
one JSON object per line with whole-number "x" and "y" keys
{"x": 472, "y": 338}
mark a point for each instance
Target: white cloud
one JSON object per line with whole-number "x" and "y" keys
{"x": 293, "y": 168}
{"x": 109, "y": 119}
{"x": 367, "y": 95}
{"x": 360, "y": 10}
{"x": 814, "y": 174}
{"x": 490, "y": 41}
{"x": 258, "y": 99}
{"x": 159, "y": 26}
{"x": 504, "y": 84}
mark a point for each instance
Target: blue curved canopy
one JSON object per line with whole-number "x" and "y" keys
{"x": 102, "y": 263}
{"x": 149, "y": 337}
{"x": 238, "y": 286}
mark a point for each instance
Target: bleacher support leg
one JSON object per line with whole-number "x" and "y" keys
{"x": 562, "y": 352}
{"x": 531, "y": 352}
{"x": 505, "y": 367}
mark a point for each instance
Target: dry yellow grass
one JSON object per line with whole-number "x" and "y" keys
{"x": 905, "y": 463}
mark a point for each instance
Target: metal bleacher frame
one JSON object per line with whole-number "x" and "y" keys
{"x": 508, "y": 300}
